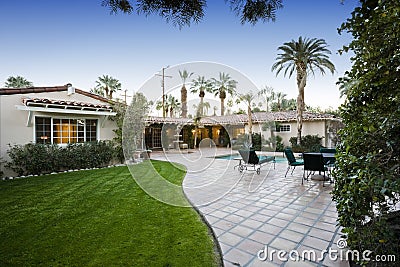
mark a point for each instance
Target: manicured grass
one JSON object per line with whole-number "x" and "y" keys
{"x": 98, "y": 218}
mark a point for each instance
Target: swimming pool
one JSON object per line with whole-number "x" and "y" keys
{"x": 235, "y": 156}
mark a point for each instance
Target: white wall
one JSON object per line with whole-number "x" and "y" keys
{"x": 316, "y": 127}
{"x": 13, "y": 122}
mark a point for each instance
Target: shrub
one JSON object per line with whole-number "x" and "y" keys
{"x": 40, "y": 158}
{"x": 1, "y": 167}
{"x": 279, "y": 145}
{"x": 309, "y": 143}
{"x": 274, "y": 143}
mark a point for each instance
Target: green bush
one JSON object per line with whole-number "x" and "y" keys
{"x": 40, "y": 158}
{"x": 309, "y": 143}
{"x": 274, "y": 143}
{"x": 279, "y": 144}
{"x": 1, "y": 168}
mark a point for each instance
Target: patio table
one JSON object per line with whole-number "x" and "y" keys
{"x": 327, "y": 157}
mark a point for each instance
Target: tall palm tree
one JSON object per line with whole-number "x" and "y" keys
{"x": 221, "y": 87}
{"x": 248, "y": 98}
{"x": 206, "y": 106}
{"x": 17, "y": 82}
{"x": 201, "y": 85}
{"x": 97, "y": 91}
{"x": 159, "y": 106}
{"x": 279, "y": 99}
{"x": 173, "y": 104}
{"x": 215, "y": 110}
{"x": 288, "y": 104}
{"x": 184, "y": 76}
{"x": 303, "y": 56}
{"x": 108, "y": 85}
{"x": 116, "y": 86}
{"x": 268, "y": 94}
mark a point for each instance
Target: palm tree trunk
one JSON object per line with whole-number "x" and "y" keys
{"x": 301, "y": 84}
{"x": 222, "y": 96}
{"x": 222, "y": 106}
{"x": 201, "y": 106}
{"x": 250, "y": 125}
{"x": 106, "y": 90}
{"x": 184, "y": 100}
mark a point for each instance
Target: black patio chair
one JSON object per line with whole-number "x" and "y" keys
{"x": 314, "y": 162}
{"x": 330, "y": 162}
{"x": 251, "y": 162}
{"x": 292, "y": 162}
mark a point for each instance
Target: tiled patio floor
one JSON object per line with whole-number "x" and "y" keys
{"x": 250, "y": 213}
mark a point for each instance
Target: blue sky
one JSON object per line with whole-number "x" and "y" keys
{"x": 55, "y": 42}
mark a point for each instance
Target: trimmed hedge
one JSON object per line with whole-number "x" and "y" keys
{"x": 40, "y": 158}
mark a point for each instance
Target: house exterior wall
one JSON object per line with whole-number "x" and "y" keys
{"x": 13, "y": 122}
{"x": 317, "y": 127}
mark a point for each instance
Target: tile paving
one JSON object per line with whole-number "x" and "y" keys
{"x": 249, "y": 213}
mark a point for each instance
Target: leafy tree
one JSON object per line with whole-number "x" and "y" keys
{"x": 134, "y": 125}
{"x": 17, "y": 82}
{"x": 107, "y": 85}
{"x": 367, "y": 175}
{"x": 224, "y": 85}
{"x": 201, "y": 85}
{"x": 184, "y": 76}
{"x": 303, "y": 56}
{"x": 120, "y": 109}
{"x": 184, "y": 12}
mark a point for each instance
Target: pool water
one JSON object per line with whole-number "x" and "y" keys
{"x": 235, "y": 156}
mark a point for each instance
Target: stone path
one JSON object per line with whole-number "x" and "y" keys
{"x": 252, "y": 214}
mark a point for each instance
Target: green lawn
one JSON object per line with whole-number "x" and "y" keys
{"x": 98, "y": 218}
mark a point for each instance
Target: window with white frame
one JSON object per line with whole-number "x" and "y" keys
{"x": 63, "y": 131}
{"x": 283, "y": 128}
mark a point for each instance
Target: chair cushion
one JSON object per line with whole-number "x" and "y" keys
{"x": 297, "y": 163}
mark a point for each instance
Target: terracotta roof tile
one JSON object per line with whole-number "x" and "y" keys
{"x": 45, "y": 89}
{"x": 283, "y": 116}
{"x": 36, "y": 101}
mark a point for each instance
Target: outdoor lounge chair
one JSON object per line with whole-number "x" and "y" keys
{"x": 313, "y": 162}
{"x": 292, "y": 162}
{"x": 250, "y": 161}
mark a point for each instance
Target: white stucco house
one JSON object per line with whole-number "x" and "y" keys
{"x": 53, "y": 115}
